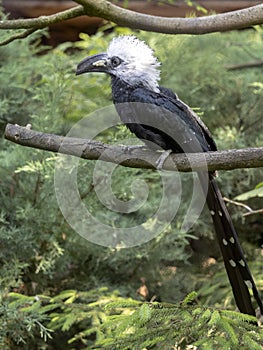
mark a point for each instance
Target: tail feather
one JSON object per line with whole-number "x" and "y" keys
{"x": 236, "y": 266}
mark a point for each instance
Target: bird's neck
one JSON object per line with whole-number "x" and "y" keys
{"x": 120, "y": 90}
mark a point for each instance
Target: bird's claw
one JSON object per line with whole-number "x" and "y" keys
{"x": 160, "y": 161}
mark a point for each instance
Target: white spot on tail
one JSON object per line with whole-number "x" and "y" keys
{"x": 242, "y": 262}
{"x": 212, "y": 212}
{"x": 224, "y": 241}
{"x": 232, "y": 240}
{"x": 220, "y": 213}
{"x": 248, "y": 283}
{"x": 232, "y": 263}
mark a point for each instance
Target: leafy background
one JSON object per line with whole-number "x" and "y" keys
{"x": 59, "y": 291}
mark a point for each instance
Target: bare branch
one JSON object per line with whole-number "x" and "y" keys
{"x": 199, "y": 25}
{"x": 105, "y": 9}
{"x": 134, "y": 157}
{"x": 253, "y": 212}
{"x": 238, "y": 204}
{"x": 250, "y": 211}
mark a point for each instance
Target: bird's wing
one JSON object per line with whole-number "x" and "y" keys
{"x": 207, "y": 134}
{"x": 170, "y": 116}
{"x": 168, "y": 92}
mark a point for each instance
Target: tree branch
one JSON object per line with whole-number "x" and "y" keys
{"x": 245, "y": 65}
{"x": 199, "y": 25}
{"x": 249, "y": 211}
{"x": 124, "y": 17}
{"x": 134, "y": 157}
{"x": 42, "y": 21}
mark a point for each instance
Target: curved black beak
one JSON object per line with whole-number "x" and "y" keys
{"x": 95, "y": 63}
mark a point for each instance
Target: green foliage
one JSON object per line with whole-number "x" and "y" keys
{"x": 52, "y": 281}
{"x": 122, "y": 323}
{"x": 160, "y": 325}
{"x": 256, "y": 192}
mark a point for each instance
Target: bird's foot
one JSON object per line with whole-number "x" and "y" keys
{"x": 160, "y": 161}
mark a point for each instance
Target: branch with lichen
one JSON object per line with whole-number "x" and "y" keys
{"x": 42, "y": 21}
{"x": 32, "y": 24}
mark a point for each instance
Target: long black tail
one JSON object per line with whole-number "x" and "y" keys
{"x": 236, "y": 266}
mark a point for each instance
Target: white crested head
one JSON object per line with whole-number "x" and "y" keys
{"x": 139, "y": 65}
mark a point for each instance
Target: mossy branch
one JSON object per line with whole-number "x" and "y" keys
{"x": 42, "y": 21}
{"x": 135, "y": 157}
{"x": 105, "y": 9}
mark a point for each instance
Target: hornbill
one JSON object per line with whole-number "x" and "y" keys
{"x": 158, "y": 117}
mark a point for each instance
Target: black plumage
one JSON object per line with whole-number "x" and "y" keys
{"x": 161, "y": 118}
{"x": 158, "y": 117}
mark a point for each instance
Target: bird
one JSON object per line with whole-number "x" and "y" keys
{"x": 157, "y": 116}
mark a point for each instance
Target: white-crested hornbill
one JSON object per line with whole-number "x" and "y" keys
{"x": 158, "y": 117}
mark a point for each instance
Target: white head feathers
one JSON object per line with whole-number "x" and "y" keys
{"x": 139, "y": 63}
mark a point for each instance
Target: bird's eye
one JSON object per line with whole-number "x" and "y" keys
{"x": 115, "y": 61}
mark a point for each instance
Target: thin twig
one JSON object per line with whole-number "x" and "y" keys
{"x": 17, "y": 36}
{"x": 250, "y": 211}
{"x": 258, "y": 211}
{"x": 238, "y": 204}
{"x": 42, "y": 21}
